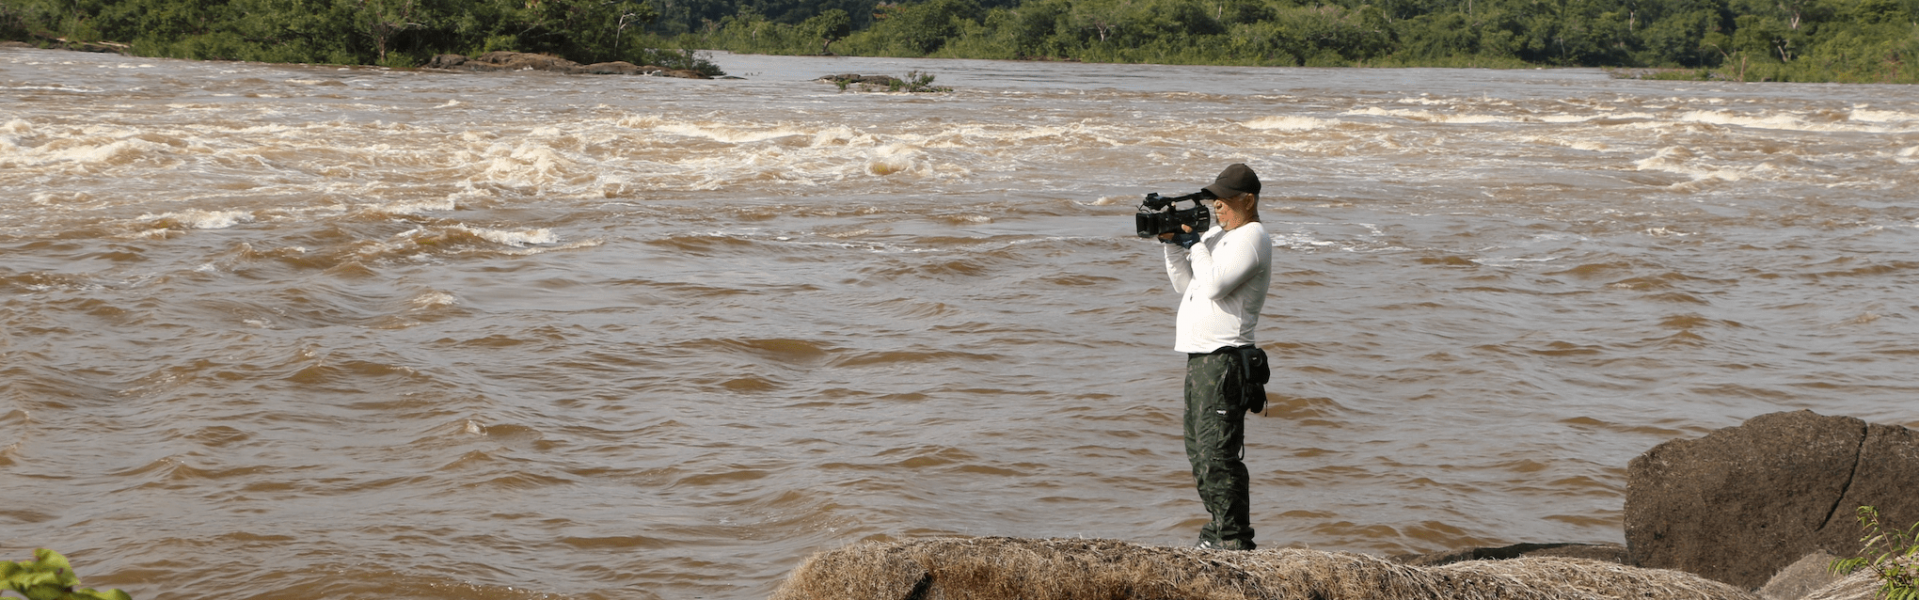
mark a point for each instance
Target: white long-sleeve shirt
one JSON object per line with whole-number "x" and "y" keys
{"x": 1224, "y": 279}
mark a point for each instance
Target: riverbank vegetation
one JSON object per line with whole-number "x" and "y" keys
{"x": 1747, "y": 40}
{"x": 1744, "y": 40}
{"x": 396, "y": 33}
{"x": 1891, "y": 553}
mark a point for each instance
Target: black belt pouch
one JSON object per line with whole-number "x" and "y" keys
{"x": 1253, "y": 375}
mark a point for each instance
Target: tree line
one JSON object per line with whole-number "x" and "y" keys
{"x": 1750, "y": 40}
{"x": 397, "y": 33}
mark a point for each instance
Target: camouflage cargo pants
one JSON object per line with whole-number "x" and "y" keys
{"x": 1215, "y": 444}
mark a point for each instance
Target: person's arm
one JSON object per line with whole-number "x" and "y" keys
{"x": 1231, "y": 268}
{"x": 1179, "y": 266}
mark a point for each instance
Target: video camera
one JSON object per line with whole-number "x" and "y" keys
{"x": 1160, "y": 214}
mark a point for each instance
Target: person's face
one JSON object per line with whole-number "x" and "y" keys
{"x": 1236, "y": 205}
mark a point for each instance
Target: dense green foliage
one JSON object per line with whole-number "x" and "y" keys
{"x": 49, "y": 577}
{"x": 1779, "y": 40}
{"x": 386, "y": 32}
{"x": 1892, "y": 554}
{"x": 1748, "y": 40}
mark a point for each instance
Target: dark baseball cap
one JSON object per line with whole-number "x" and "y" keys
{"x": 1235, "y": 180}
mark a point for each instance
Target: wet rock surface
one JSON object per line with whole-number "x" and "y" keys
{"x": 1743, "y": 503}
{"x": 1613, "y": 553}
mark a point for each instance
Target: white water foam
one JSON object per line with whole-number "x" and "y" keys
{"x": 119, "y": 151}
{"x": 842, "y": 136}
{"x": 640, "y": 121}
{"x": 525, "y": 164}
{"x": 1289, "y": 123}
{"x": 1430, "y": 116}
{"x": 895, "y": 158}
{"x": 433, "y": 299}
{"x": 1791, "y": 122}
{"x": 200, "y": 219}
{"x": 730, "y": 135}
{"x": 1869, "y": 115}
{"x": 517, "y": 239}
{"x": 1680, "y": 160}
{"x": 415, "y": 208}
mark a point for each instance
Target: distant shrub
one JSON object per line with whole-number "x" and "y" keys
{"x": 918, "y": 82}
{"x": 686, "y": 60}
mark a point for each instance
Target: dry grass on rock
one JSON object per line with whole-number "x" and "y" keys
{"x": 1077, "y": 569}
{"x": 1861, "y": 585}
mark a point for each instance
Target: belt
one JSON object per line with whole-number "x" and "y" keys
{"x": 1193, "y": 355}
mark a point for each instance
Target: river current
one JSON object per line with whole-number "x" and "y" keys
{"x": 290, "y": 332}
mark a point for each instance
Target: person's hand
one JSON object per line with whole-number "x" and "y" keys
{"x": 1184, "y": 240}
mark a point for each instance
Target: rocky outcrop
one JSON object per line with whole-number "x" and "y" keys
{"x": 522, "y": 61}
{"x": 1080, "y": 569}
{"x": 1862, "y": 585}
{"x": 446, "y": 61}
{"x": 1811, "y": 573}
{"x": 884, "y": 83}
{"x": 1744, "y": 502}
{"x": 54, "y": 42}
{"x": 856, "y": 78}
{"x": 618, "y": 67}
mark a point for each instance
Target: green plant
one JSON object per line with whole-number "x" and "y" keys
{"x": 49, "y": 577}
{"x": 682, "y": 59}
{"x": 1892, "y": 554}
{"x": 918, "y": 82}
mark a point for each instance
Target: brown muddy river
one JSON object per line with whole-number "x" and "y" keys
{"x": 289, "y": 332}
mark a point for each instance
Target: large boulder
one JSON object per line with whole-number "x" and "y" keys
{"x": 1744, "y": 502}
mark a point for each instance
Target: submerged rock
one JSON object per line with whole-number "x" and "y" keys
{"x": 1612, "y": 553}
{"x": 618, "y": 67}
{"x": 882, "y": 83}
{"x": 1744, "y": 502}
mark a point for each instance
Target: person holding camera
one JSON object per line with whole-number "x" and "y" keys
{"x": 1223, "y": 276}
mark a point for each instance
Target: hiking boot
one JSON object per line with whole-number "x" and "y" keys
{"x": 1224, "y": 545}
